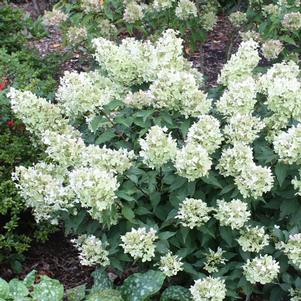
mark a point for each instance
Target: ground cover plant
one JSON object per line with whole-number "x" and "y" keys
{"x": 150, "y": 172}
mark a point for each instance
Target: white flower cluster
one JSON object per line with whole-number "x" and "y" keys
{"x": 253, "y": 239}
{"x": 206, "y": 132}
{"x": 91, "y": 250}
{"x": 178, "y": 90}
{"x": 42, "y": 187}
{"x": 282, "y": 86}
{"x": 37, "y": 113}
{"x": 192, "y": 162}
{"x": 214, "y": 260}
{"x": 54, "y": 17}
{"x": 138, "y": 99}
{"x": 84, "y": 92}
{"x": 238, "y": 18}
{"x": 271, "y": 49}
{"x": 292, "y": 21}
{"x": 243, "y": 128}
{"x": 133, "y": 12}
{"x": 157, "y": 148}
{"x": 292, "y": 249}
{"x": 208, "y": 20}
{"x": 239, "y": 97}
{"x": 186, "y": 9}
{"x": 140, "y": 243}
{"x": 295, "y": 294}
{"x": 92, "y": 6}
{"x": 160, "y": 5}
{"x": 170, "y": 264}
{"x": 288, "y": 145}
{"x": 233, "y": 214}
{"x": 241, "y": 64}
{"x": 208, "y": 289}
{"x": 252, "y": 180}
{"x": 94, "y": 189}
{"x": 76, "y": 35}
{"x": 262, "y": 269}
{"x": 193, "y": 213}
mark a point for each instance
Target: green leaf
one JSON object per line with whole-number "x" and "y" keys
{"x": 226, "y": 235}
{"x": 48, "y": 290}
{"x": 281, "y": 172}
{"x": 176, "y": 293}
{"x": 17, "y": 289}
{"x": 101, "y": 281}
{"x": 166, "y": 235}
{"x": 4, "y": 289}
{"x": 139, "y": 287}
{"x": 212, "y": 180}
{"x": 30, "y": 279}
{"x": 105, "y": 137}
{"x": 105, "y": 295}
{"x": 128, "y": 213}
{"x": 77, "y": 293}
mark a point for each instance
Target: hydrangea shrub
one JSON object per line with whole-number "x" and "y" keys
{"x": 160, "y": 175}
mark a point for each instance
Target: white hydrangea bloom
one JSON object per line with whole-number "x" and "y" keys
{"x": 133, "y": 12}
{"x": 193, "y": 213}
{"x": 139, "y": 243}
{"x": 178, "y": 90}
{"x": 233, "y": 160}
{"x": 297, "y": 183}
{"x": 292, "y": 21}
{"x": 84, "y": 92}
{"x": 282, "y": 86}
{"x": 240, "y": 97}
{"x": 157, "y": 148}
{"x": 94, "y": 189}
{"x": 295, "y": 294}
{"x": 125, "y": 63}
{"x": 241, "y": 64}
{"x": 233, "y": 214}
{"x": 292, "y": 249}
{"x": 262, "y": 269}
{"x": 186, "y": 9}
{"x": 243, "y": 128}
{"x": 91, "y": 250}
{"x": 288, "y": 145}
{"x": 253, "y": 239}
{"x": 38, "y": 114}
{"x": 208, "y": 289}
{"x": 113, "y": 161}
{"x": 238, "y": 18}
{"x": 65, "y": 149}
{"x": 43, "y": 189}
{"x": 91, "y": 6}
{"x": 254, "y": 181}
{"x": 271, "y": 49}
{"x": 54, "y": 17}
{"x": 160, "y": 5}
{"x": 206, "y": 132}
{"x": 250, "y": 35}
{"x": 170, "y": 264}
{"x": 76, "y": 35}
{"x": 214, "y": 259}
{"x": 138, "y": 99}
{"x": 208, "y": 20}
{"x": 192, "y": 162}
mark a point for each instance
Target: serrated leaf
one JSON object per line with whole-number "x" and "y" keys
{"x": 105, "y": 137}
{"x": 281, "y": 172}
{"x": 128, "y": 213}
{"x": 140, "y": 286}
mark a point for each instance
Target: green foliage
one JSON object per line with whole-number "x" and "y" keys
{"x": 141, "y": 286}
{"x": 105, "y": 295}
{"x": 176, "y": 293}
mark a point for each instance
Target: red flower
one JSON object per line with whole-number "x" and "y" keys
{"x": 10, "y": 123}
{"x": 3, "y": 84}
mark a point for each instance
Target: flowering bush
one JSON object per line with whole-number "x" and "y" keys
{"x": 159, "y": 175}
